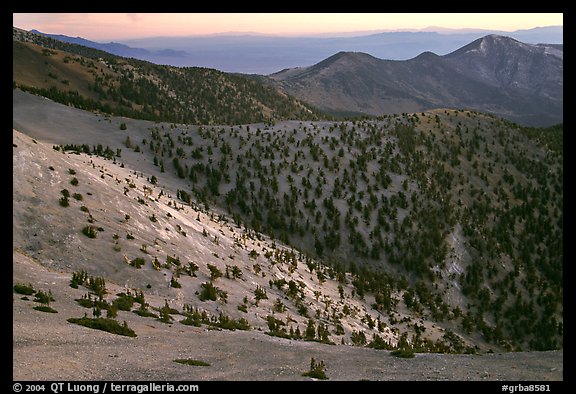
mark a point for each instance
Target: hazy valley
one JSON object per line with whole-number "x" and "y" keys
{"x": 289, "y": 52}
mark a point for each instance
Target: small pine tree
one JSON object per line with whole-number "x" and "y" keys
{"x": 64, "y": 201}
{"x": 297, "y": 333}
{"x": 174, "y": 283}
{"x": 112, "y": 311}
{"x": 165, "y": 313}
{"x": 310, "y": 330}
{"x": 260, "y": 293}
{"x": 316, "y": 370}
{"x": 209, "y": 292}
{"x": 215, "y": 273}
{"x": 89, "y": 231}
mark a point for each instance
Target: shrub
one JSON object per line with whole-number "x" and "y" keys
{"x": 78, "y": 278}
{"x": 97, "y": 285}
{"x": 45, "y": 308}
{"x": 215, "y": 273}
{"x": 138, "y": 262}
{"x": 89, "y": 231}
{"x": 77, "y": 196}
{"x": 124, "y": 302}
{"x": 310, "y": 332}
{"x": 378, "y": 343}
{"x": 276, "y": 326}
{"x": 193, "y": 319}
{"x": 143, "y": 309}
{"x": 64, "y": 202}
{"x": 403, "y": 353}
{"x": 112, "y": 311}
{"x": 192, "y": 268}
{"x": 174, "y": 283}
{"x": 209, "y": 292}
{"x": 260, "y": 293}
{"x": 104, "y": 324}
{"x": 24, "y": 289}
{"x": 228, "y": 323}
{"x": 85, "y": 302}
{"x": 358, "y": 338}
{"x": 44, "y": 298}
{"x": 165, "y": 312}
{"x": 316, "y": 370}
{"x": 234, "y": 272}
{"x": 145, "y": 313}
{"x": 74, "y": 181}
{"x": 279, "y": 306}
{"x": 123, "y": 126}
{"x": 189, "y": 361}
{"x": 173, "y": 260}
{"x": 88, "y": 302}
{"x": 302, "y": 309}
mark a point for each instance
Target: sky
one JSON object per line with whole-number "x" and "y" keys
{"x": 116, "y": 26}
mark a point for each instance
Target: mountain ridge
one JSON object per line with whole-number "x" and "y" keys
{"x": 518, "y": 81}
{"x": 97, "y": 80}
{"x": 114, "y": 48}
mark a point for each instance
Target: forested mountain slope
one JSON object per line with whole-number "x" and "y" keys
{"x": 98, "y": 81}
{"x": 453, "y": 216}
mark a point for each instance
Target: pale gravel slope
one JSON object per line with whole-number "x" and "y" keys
{"x": 46, "y": 347}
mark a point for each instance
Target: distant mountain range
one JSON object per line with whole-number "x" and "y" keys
{"x": 258, "y": 54}
{"x": 496, "y": 74}
{"x": 114, "y": 47}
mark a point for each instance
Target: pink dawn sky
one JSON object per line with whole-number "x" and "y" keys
{"x": 114, "y": 26}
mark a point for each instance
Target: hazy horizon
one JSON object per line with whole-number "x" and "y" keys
{"x": 122, "y": 27}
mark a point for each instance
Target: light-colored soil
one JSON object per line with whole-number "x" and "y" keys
{"x": 46, "y": 347}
